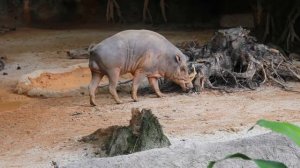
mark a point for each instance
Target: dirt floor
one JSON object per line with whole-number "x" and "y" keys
{"x": 35, "y": 131}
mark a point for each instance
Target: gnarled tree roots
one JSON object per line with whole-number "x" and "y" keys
{"x": 233, "y": 59}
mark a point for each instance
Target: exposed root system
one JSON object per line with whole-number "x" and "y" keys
{"x": 234, "y": 60}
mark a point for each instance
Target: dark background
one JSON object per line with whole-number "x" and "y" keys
{"x": 94, "y": 11}
{"x": 269, "y": 20}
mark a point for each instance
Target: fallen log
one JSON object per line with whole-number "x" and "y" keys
{"x": 80, "y": 53}
{"x": 4, "y": 29}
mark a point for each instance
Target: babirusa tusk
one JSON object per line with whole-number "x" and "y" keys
{"x": 193, "y": 74}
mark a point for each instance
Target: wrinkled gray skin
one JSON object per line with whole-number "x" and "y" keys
{"x": 142, "y": 53}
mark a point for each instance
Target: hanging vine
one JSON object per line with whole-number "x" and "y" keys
{"x": 276, "y": 21}
{"x": 147, "y": 14}
{"x": 110, "y": 13}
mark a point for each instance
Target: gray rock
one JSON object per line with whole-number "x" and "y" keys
{"x": 191, "y": 153}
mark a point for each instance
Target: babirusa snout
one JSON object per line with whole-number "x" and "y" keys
{"x": 189, "y": 84}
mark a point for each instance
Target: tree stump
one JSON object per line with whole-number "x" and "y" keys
{"x": 143, "y": 133}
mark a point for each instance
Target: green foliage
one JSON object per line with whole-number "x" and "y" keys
{"x": 269, "y": 164}
{"x": 290, "y": 130}
{"x": 260, "y": 163}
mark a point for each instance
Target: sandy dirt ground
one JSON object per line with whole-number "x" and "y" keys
{"x": 35, "y": 131}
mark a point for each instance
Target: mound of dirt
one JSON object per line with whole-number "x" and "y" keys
{"x": 62, "y": 82}
{"x": 55, "y": 82}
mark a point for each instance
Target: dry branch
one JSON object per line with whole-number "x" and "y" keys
{"x": 80, "y": 53}
{"x": 233, "y": 59}
{"x": 289, "y": 35}
{"x": 163, "y": 10}
{"x": 110, "y": 13}
{"x": 146, "y": 11}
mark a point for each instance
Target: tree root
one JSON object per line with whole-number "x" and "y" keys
{"x": 289, "y": 35}
{"x": 147, "y": 11}
{"x": 111, "y": 5}
{"x": 163, "y": 10}
{"x": 239, "y": 62}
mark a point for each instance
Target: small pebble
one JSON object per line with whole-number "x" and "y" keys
{"x": 18, "y": 68}
{"x": 4, "y": 73}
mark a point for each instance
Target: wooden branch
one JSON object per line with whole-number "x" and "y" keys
{"x": 108, "y": 11}
{"x": 80, "y": 53}
{"x": 121, "y": 19}
{"x": 150, "y": 16}
{"x": 111, "y": 9}
{"x": 26, "y": 11}
{"x": 110, "y": 14}
{"x": 289, "y": 35}
{"x": 258, "y": 12}
{"x": 294, "y": 73}
{"x": 145, "y": 10}
{"x": 267, "y": 27}
{"x": 163, "y": 10}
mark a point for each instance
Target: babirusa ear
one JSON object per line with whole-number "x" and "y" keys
{"x": 178, "y": 59}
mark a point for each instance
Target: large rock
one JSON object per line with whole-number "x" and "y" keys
{"x": 193, "y": 153}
